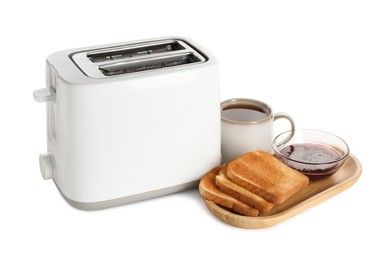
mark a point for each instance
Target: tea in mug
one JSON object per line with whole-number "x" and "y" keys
{"x": 244, "y": 113}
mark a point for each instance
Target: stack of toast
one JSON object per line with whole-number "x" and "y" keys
{"x": 252, "y": 184}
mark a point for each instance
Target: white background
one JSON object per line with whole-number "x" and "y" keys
{"x": 326, "y": 63}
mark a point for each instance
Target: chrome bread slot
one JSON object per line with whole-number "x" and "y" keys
{"x": 120, "y": 60}
{"x": 148, "y": 64}
{"x": 130, "y": 51}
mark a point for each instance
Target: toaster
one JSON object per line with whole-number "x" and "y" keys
{"x": 130, "y": 121}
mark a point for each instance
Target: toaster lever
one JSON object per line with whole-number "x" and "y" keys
{"x": 45, "y": 95}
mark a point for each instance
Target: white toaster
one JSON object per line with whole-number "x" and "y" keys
{"x": 130, "y": 121}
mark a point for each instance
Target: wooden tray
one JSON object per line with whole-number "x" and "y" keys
{"x": 319, "y": 189}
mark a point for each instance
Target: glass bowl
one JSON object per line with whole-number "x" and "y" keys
{"x": 311, "y": 152}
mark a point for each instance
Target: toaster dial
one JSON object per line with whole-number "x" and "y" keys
{"x": 46, "y": 165}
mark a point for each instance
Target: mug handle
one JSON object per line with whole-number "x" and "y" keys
{"x": 289, "y": 118}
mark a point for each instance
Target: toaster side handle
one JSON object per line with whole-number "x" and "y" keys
{"x": 45, "y": 95}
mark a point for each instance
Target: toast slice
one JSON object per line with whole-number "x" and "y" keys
{"x": 266, "y": 176}
{"x": 232, "y": 189}
{"x": 209, "y": 190}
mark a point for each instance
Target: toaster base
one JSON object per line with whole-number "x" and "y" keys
{"x": 128, "y": 199}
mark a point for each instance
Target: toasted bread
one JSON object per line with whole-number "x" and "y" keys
{"x": 266, "y": 176}
{"x": 232, "y": 189}
{"x": 209, "y": 190}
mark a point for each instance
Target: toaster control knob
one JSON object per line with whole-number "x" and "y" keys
{"x": 46, "y": 166}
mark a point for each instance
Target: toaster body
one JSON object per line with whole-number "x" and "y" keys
{"x": 130, "y": 121}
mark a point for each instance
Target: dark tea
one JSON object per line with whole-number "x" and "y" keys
{"x": 244, "y": 113}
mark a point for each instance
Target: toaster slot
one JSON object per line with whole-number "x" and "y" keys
{"x": 134, "y": 51}
{"x": 148, "y": 64}
{"x": 125, "y": 59}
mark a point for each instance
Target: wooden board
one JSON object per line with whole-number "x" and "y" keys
{"x": 319, "y": 189}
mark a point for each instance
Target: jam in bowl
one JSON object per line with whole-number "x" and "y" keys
{"x": 311, "y": 152}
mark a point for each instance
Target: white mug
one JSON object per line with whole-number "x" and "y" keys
{"x": 247, "y": 125}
